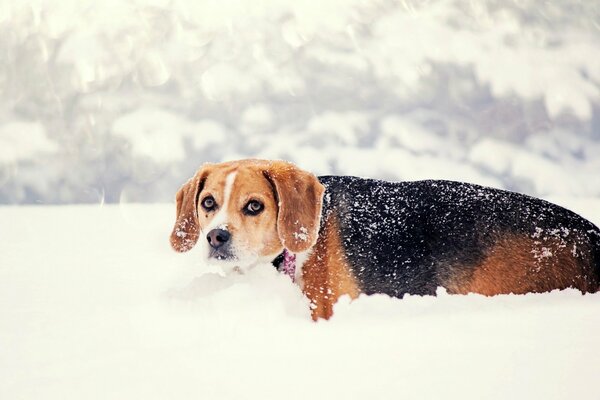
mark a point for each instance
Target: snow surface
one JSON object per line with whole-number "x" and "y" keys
{"x": 95, "y": 305}
{"x": 120, "y": 101}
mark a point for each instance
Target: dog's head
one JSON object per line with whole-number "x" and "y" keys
{"x": 248, "y": 211}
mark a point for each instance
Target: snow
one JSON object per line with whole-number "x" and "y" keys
{"x": 150, "y": 133}
{"x": 302, "y": 234}
{"x": 132, "y": 91}
{"x": 23, "y": 140}
{"x": 121, "y": 101}
{"x": 95, "y": 305}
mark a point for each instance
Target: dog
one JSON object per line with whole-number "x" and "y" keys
{"x": 349, "y": 235}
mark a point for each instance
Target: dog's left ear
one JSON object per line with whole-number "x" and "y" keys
{"x": 187, "y": 228}
{"x": 300, "y": 197}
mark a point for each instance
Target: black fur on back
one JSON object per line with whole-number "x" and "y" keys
{"x": 406, "y": 237}
{"x": 595, "y": 239}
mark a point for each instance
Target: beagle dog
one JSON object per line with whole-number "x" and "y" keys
{"x": 351, "y": 235}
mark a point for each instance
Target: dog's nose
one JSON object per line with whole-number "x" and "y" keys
{"x": 217, "y": 237}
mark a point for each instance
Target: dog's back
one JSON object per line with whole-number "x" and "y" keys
{"x": 411, "y": 237}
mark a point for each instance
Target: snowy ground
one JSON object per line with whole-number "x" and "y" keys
{"x": 95, "y": 305}
{"x": 120, "y": 101}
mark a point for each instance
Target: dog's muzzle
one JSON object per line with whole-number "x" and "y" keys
{"x": 219, "y": 241}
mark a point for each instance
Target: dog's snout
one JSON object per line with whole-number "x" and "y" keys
{"x": 217, "y": 238}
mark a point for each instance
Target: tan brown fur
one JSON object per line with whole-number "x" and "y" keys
{"x": 521, "y": 264}
{"x": 326, "y": 274}
{"x": 258, "y": 233}
{"x": 300, "y": 197}
{"x": 187, "y": 229}
{"x": 291, "y": 198}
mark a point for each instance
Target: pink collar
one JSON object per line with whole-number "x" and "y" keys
{"x": 289, "y": 264}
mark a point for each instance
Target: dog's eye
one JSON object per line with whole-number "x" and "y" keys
{"x": 208, "y": 203}
{"x": 253, "y": 207}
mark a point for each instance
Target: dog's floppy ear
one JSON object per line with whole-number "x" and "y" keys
{"x": 187, "y": 229}
{"x": 300, "y": 196}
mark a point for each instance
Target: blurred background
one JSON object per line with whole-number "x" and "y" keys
{"x": 121, "y": 101}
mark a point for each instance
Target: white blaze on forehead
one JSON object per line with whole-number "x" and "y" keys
{"x": 220, "y": 220}
{"x": 228, "y": 186}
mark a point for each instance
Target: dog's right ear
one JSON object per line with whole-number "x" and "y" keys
{"x": 187, "y": 229}
{"x": 299, "y": 196}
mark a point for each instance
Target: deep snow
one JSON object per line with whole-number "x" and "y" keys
{"x": 121, "y": 100}
{"x": 95, "y": 305}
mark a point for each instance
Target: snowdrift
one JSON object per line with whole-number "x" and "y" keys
{"x": 95, "y": 305}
